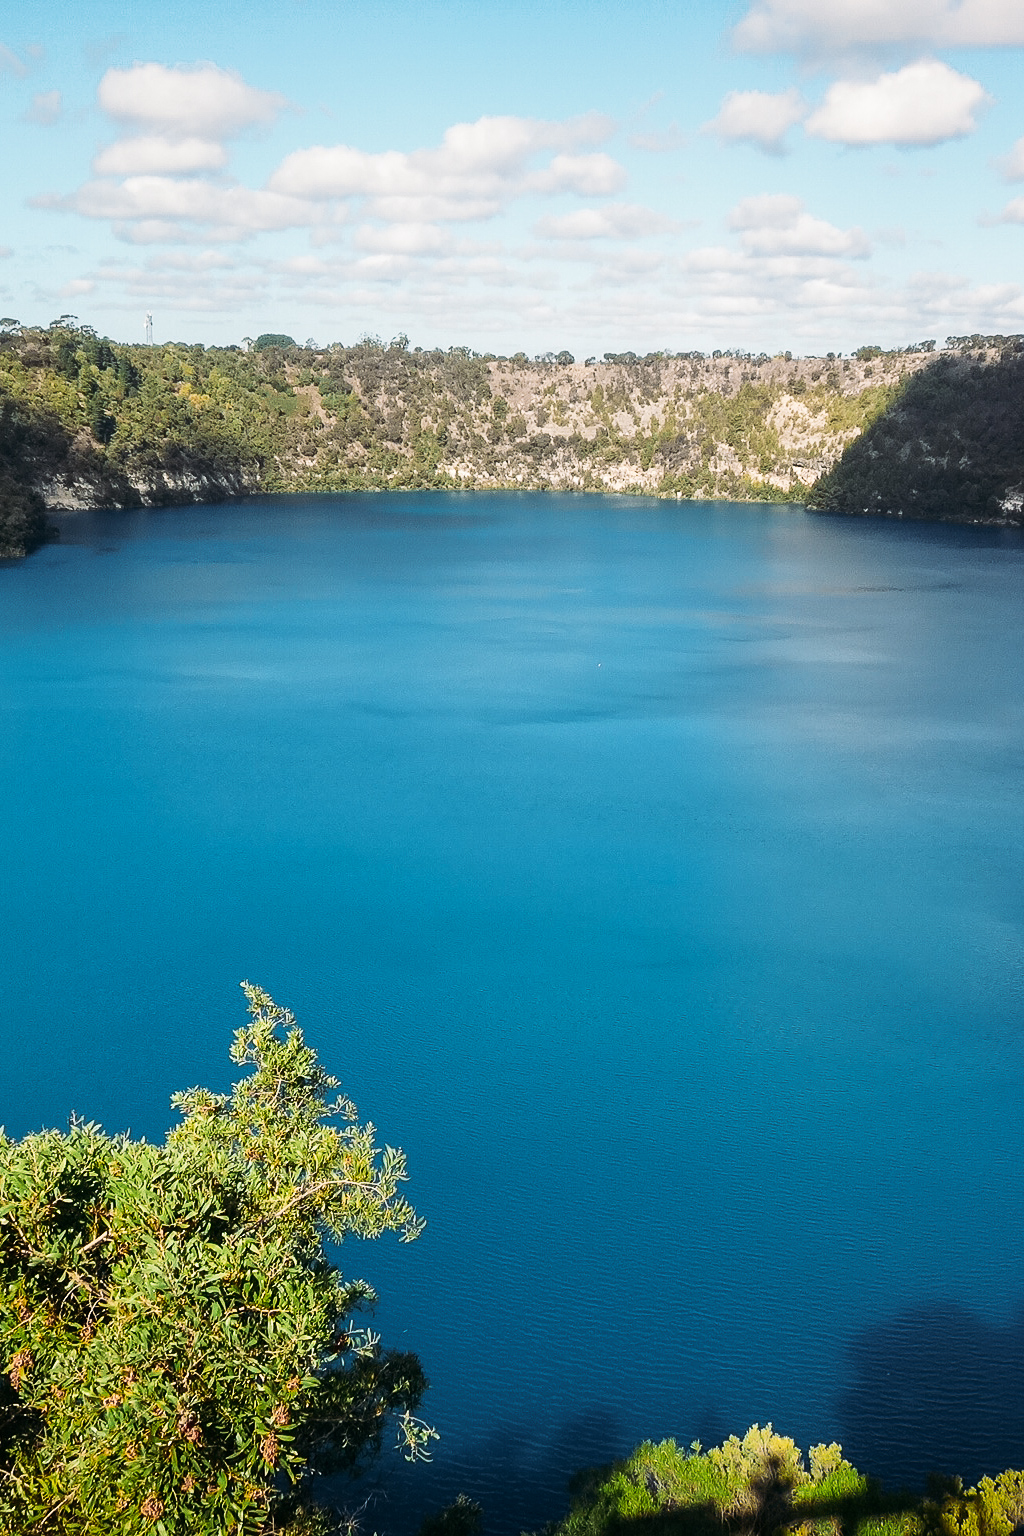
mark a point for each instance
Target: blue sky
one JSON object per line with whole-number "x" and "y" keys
{"x": 767, "y": 174}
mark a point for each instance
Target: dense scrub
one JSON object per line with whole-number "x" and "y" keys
{"x": 88, "y": 422}
{"x": 761, "y": 1485}
{"x": 177, "y": 1346}
{"x": 951, "y": 445}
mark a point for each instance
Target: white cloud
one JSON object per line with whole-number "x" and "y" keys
{"x": 150, "y": 153}
{"x": 1013, "y": 213}
{"x": 772, "y": 26}
{"x": 586, "y": 175}
{"x": 925, "y": 103}
{"x": 170, "y": 232}
{"x": 616, "y": 221}
{"x": 427, "y": 210}
{"x": 472, "y": 174}
{"x": 173, "y": 122}
{"x": 758, "y": 117}
{"x": 658, "y": 143}
{"x": 402, "y": 239}
{"x": 776, "y": 224}
{"x": 147, "y": 182}
{"x": 46, "y": 108}
{"x": 188, "y": 101}
{"x": 10, "y": 64}
{"x": 167, "y": 198}
{"x": 1012, "y": 165}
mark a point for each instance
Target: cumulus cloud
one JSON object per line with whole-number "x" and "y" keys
{"x": 773, "y": 26}
{"x": 168, "y": 199}
{"x": 925, "y": 103}
{"x": 1013, "y": 213}
{"x": 186, "y": 101}
{"x": 10, "y": 64}
{"x": 586, "y": 175}
{"x": 150, "y": 153}
{"x": 402, "y": 239}
{"x": 758, "y": 117}
{"x": 777, "y": 224}
{"x": 616, "y": 221}
{"x": 1012, "y": 165}
{"x": 176, "y": 118}
{"x": 477, "y": 168}
{"x": 161, "y": 184}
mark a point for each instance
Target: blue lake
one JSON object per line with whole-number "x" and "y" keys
{"x": 651, "y": 872}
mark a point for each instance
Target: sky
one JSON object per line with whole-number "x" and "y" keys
{"x": 810, "y": 175}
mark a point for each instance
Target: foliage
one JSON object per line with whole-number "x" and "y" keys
{"x": 754, "y": 1486}
{"x": 103, "y": 424}
{"x": 463, "y": 1518}
{"x": 176, "y": 1345}
{"x": 950, "y": 445}
{"x": 994, "y": 1508}
{"x": 760, "y": 1485}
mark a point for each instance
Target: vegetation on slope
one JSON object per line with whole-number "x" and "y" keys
{"x": 951, "y": 445}
{"x": 89, "y": 422}
{"x": 760, "y": 1486}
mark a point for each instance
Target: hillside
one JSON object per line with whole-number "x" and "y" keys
{"x": 88, "y": 422}
{"x": 950, "y": 447}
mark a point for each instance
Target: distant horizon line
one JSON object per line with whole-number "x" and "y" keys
{"x": 11, "y": 327}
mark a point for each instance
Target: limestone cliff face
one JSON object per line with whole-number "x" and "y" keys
{"x": 79, "y": 492}
{"x": 721, "y": 427}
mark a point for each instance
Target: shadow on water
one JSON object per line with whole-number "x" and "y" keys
{"x": 517, "y": 1473}
{"x": 935, "y": 1389}
{"x": 517, "y": 1499}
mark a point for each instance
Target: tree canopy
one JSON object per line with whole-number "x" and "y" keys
{"x": 177, "y": 1344}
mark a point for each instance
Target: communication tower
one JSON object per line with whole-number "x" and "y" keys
{"x": 149, "y": 330}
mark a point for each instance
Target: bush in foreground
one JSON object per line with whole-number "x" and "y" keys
{"x": 760, "y": 1485}
{"x": 175, "y": 1342}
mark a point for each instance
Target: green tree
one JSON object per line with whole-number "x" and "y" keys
{"x": 177, "y": 1346}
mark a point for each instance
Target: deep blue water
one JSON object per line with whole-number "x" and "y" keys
{"x": 651, "y": 872}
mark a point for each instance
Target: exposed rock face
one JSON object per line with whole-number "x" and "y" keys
{"x": 80, "y": 493}
{"x": 723, "y": 426}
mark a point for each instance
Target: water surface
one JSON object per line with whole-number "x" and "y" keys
{"x": 651, "y": 872}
